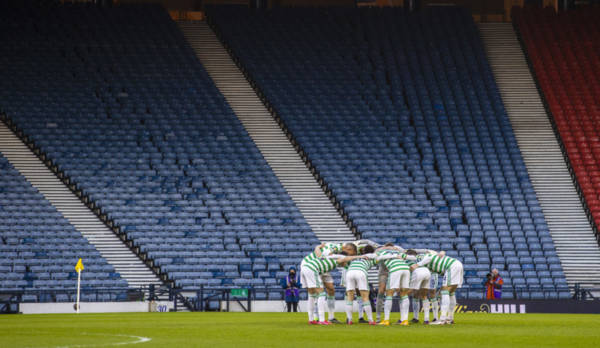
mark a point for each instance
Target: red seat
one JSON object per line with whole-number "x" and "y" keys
{"x": 564, "y": 51}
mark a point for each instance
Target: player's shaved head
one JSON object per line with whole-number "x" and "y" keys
{"x": 411, "y": 252}
{"x": 389, "y": 244}
{"x": 350, "y": 249}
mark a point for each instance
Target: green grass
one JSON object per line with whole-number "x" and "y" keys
{"x": 291, "y": 330}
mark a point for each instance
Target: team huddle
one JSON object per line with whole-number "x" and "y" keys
{"x": 404, "y": 273}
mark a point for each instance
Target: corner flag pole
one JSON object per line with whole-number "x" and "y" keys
{"x": 78, "y": 268}
{"x": 78, "y": 287}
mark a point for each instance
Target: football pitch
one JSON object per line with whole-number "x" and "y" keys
{"x": 291, "y": 330}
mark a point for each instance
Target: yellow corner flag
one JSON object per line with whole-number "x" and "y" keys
{"x": 79, "y": 266}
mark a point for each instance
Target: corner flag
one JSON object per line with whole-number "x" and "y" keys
{"x": 79, "y": 266}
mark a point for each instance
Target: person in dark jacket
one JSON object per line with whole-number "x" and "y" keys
{"x": 291, "y": 284}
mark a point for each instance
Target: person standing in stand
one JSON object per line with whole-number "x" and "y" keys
{"x": 493, "y": 285}
{"x": 291, "y": 284}
{"x": 497, "y": 282}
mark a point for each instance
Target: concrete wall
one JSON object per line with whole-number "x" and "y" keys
{"x": 159, "y": 306}
{"x": 85, "y": 307}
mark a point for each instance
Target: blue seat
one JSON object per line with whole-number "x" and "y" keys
{"x": 275, "y": 295}
{"x": 29, "y": 298}
{"x": 537, "y": 295}
{"x": 564, "y": 295}
{"x": 260, "y": 295}
{"x": 62, "y": 298}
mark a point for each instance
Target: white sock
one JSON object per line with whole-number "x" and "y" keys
{"x": 445, "y": 305}
{"x": 452, "y": 306}
{"x": 426, "y": 310}
{"x": 369, "y": 311}
{"x": 435, "y": 307}
{"x": 379, "y": 305}
{"x": 331, "y": 306}
{"x": 404, "y": 307}
{"x": 349, "y": 310}
{"x": 387, "y": 308}
{"x": 416, "y": 307}
{"x": 361, "y": 307}
{"x": 311, "y": 307}
{"x": 321, "y": 306}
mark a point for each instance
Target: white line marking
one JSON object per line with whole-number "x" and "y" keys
{"x": 139, "y": 339}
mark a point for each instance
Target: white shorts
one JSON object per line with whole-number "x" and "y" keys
{"x": 343, "y": 279}
{"x": 310, "y": 279}
{"x": 398, "y": 280}
{"x": 356, "y": 279}
{"x": 326, "y": 278}
{"x": 454, "y": 275}
{"x": 420, "y": 278}
{"x": 433, "y": 281}
{"x": 383, "y": 274}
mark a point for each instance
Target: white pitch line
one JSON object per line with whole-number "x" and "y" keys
{"x": 140, "y": 339}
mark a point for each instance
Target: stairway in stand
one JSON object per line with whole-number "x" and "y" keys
{"x": 276, "y": 148}
{"x": 116, "y": 253}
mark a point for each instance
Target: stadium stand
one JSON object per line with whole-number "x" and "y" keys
{"x": 117, "y": 100}
{"x": 73, "y": 208}
{"x": 563, "y": 52}
{"x": 400, "y": 115}
{"x": 38, "y": 246}
{"x": 294, "y": 173}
